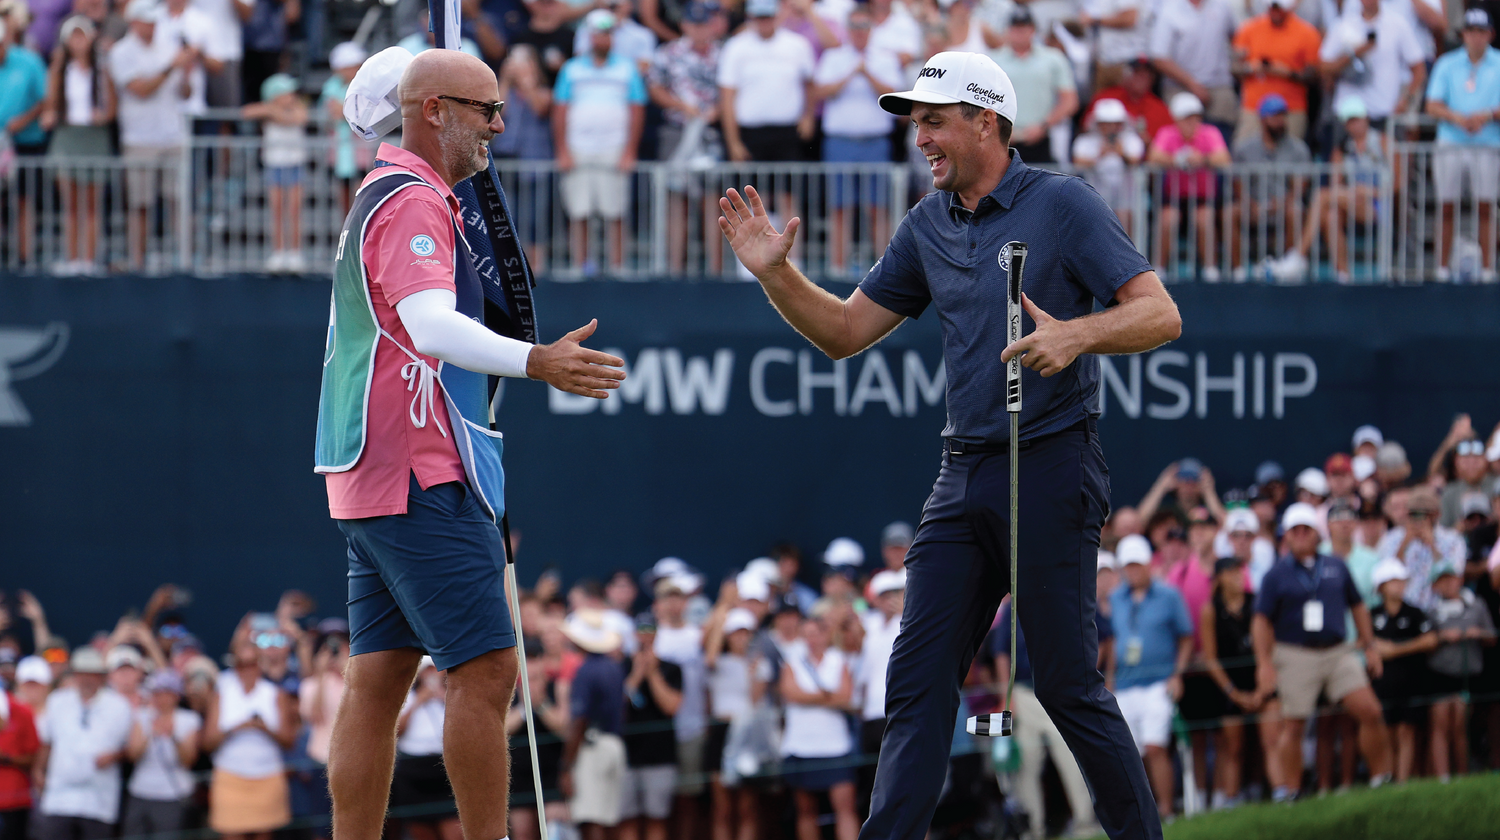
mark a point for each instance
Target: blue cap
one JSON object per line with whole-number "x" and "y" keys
{"x": 761, "y": 8}
{"x": 1190, "y": 469}
{"x": 701, "y": 12}
{"x": 1272, "y": 104}
{"x": 1268, "y": 472}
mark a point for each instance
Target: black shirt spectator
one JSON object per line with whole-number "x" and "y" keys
{"x": 650, "y": 740}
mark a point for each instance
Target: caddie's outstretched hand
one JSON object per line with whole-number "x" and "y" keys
{"x": 567, "y": 365}
{"x": 750, "y": 234}
{"x": 1050, "y": 347}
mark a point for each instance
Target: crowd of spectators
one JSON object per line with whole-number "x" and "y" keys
{"x": 596, "y": 85}
{"x": 1348, "y": 610}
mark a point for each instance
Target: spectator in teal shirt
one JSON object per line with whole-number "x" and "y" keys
{"x": 1464, "y": 94}
{"x": 23, "y": 86}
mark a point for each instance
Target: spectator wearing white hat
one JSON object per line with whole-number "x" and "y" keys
{"x": 1403, "y": 634}
{"x": 1242, "y": 538}
{"x": 1192, "y": 150}
{"x": 127, "y": 669}
{"x": 733, "y": 693}
{"x": 681, "y": 643}
{"x": 593, "y": 761}
{"x": 1421, "y": 543}
{"x": 1463, "y": 625}
{"x": 882, "y": 625}
{"x": 1154, "y": 641}
{"x": 841, "y": 564}
{"x": 163, "y": 745}
{"x": 33, "y": 684}
{"x": 1301, "y": 652}
{"x": 84, "y": 733}
{"x": 352, "y": 156}
{"x": 1367, "y": 440}
{"x": 19, "y": 745}
{"x": 1107, "y": 153}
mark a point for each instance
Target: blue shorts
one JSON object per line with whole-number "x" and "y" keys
{"x": 283, "y": 176}
{"x": 865, "y": 188}
{"x": 430, "y": 579}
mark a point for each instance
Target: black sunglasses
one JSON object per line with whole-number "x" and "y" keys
{"x": 490, "y": 110}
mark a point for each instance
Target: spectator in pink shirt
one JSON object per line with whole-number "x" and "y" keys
{"x": 1192, "y": 150}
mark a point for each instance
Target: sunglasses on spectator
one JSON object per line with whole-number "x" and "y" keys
{"x": 490, "y": 110}
{"x": 1470, "y": 447}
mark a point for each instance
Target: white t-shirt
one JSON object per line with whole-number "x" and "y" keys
{"x": 899, "y": 35}
{"x": 1197, "y": 38}
{"x": 816, "y": 731}
{"x": 1117, "y": 46}
{"x": 195, "y": 29}
{"x": 855, "y": 110}
{"x": 224, "y": 39}
{"x": 1088, "y": 147}
{"x": 249, "y": 753}
{"x": 875, "y": 658}
{"x": 1386, "y": 66}
{"x": 159, "y": 775}
{"x": 768, "y": 75}
{"x": 78, "y": 90}
{"x": 284, "y": 145}
{"x": 1406, "y": 10}
{"x": 729, "y": 687}
{"x": 155, "y": 120}
{"x": 78, "y": 733}
{"x": 424, "y": 729}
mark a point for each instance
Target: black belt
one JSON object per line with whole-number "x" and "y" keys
{"x": 1320, "y": 645}
{"x": 955, "y": 446}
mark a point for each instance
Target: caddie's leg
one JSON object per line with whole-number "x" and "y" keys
{"x": 363, "y": 751}
{"x": 475, "y": 745}
{"x": 952, "y": 592}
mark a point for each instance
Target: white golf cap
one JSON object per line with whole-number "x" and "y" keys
{"x": 1313, "y": 481}
{"x": 952, "y": 77}
{"x": 372, "y": 106}
{"x": 1106, "y": 560}
{"x": 765, "y": 568}
{"x": 1133, "y": 549}
{"x": 1368, "y": 434}
{"x": 141, "y": 11}
{"x": 843, "y": 552}
{"x": 1184, "y": 105}
{"x": 1386, "y": 570}
{"x": 121, "y": 656}
{"x": 1110, "y": 111}
{"x": 887, "y": 581}
{"x": 1300, "y": 513}
{"x": 1240, "y": 520}
{"x": 752, "y": 587}
{"x": 739, "y": 619}
{"x": 33, "y": 669}
{"x": 346, "y": 55}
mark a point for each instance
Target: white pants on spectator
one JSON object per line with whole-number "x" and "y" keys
{"x": 595, "y": 187}
{"x": 1148, "y": 711}
{"x": 1034, "y": 731}
{"x": 1451, "y": 165}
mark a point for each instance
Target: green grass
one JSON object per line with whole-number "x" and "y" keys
{"x": 1466, "y": 809}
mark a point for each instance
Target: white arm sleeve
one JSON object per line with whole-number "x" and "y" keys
{"x": 437, "y": 329}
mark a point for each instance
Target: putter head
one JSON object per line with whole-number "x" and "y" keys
{"x": 995, "y": 725}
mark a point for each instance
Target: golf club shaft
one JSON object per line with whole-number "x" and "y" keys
{"x": 515, "y": 609}
{"x": 1016, "y": 264}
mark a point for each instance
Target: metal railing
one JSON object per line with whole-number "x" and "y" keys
{"x": 213, "y": 209}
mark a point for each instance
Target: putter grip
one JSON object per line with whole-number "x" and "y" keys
{"x": 1016, "y": 265}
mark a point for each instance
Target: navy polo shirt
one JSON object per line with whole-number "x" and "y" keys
{"x": 598, "y": 693}
{"x": 1289, "y": 584}
{"x": 945, "y": 255}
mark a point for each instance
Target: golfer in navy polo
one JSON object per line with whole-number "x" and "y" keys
{"x": 946, "y": 254}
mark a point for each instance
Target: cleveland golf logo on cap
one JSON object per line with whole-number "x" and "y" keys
{"x": 953, "y": 77}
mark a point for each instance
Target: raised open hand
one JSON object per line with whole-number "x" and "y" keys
{"x": 747, "y": 227}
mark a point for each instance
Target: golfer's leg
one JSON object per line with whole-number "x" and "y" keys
{"x": 475, "y": 746}
{"x": 363, "y": 750}
{"x": 1064, "y": 489}
{"x": 952, "y": 592}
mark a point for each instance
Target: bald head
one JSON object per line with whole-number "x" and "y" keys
{"x": 451, "y": 135}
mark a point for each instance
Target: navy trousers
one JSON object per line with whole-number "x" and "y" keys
{"x": 957, "y": 571}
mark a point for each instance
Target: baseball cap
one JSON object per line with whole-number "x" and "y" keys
{"x": 1349, "y": 108}
{"x": 1440, "y": 570}
{"x": 1190, "y": 469}
{"x": 164, "y": 679}
{"x": 372, "y": 106}
{"x": 599, "y": 20}
{"x": 1240, "y": 520}
{"x": 1107, "y": 560}
{"x": 76, "y": 22}
{"x": 765, "y": 568}
{"x": 1225, "y": 564}
{"x": 33, "y": 669}
{"x": 761, "y": 8}
{"x": 1472, "y": 503}
{"x": 1388, "y": 570}
{"x": 346, "y": 55}
{"x": 897, "y": 533}
{"x": 1272, "y": 104}
{"x": 1110, "y": 111}
{"x": 1477, "y": 18}
{"x": 1185, "y": 105}
{"x": 277, "y": 84}
{"x": 1367, "y": 433}
{"x": 1269, "y": 471}
{"x": 121, "y": 656}
{"x": 752, "y": 587}
{"x": 887, "y": 581}
{"x": 141, "y": 11}
{"x": 1338, "y": 463}
{"x": 1133, "y": 549}
{"x": 1299, "y": 513}
{"x": 951, "y": 77}
{"x": 1313, "y": 481}
{"x": 700, "y": 12}
{"x": 1342, "y": 509}
{"x": 86, "y": 660}
{"x": 843, "y": 552}
{"x": 1021, "y": 16}
{"x": 1423, "y": 499}
{"x": 1390, "y": 456}
{"x": 739, "y": 619}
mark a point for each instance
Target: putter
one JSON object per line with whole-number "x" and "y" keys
{"x": 1013, "y": 260}
{"x": 515, "y": 608}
